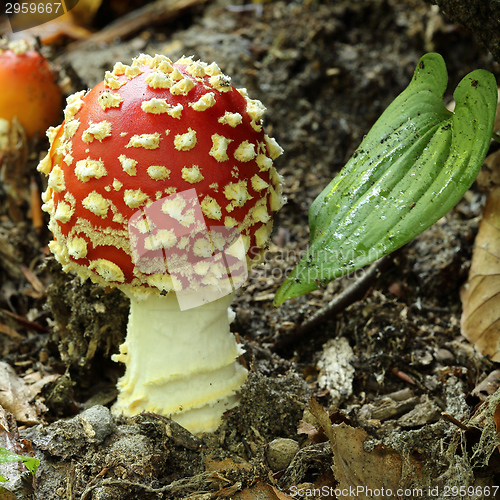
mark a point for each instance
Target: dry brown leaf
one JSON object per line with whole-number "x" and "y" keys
{"x": 81, "y": 14}
{"x": 358, "y": 471}
{"x": 261, "y": 492}
{"x": 55, "y": 30}
{"x": 322, "y": 417}
{"x": 16, "y": 394}
{"x": 228, "y": 491}
{"x": 50, "y": 30}
{"x": 314, "y": 435}
{"x": 378, "y": 470}
{"x": 488, "y": 386}
{"x": 481, "y": 293}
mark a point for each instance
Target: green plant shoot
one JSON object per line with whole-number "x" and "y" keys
{"x": 414, "y": 165}
{"x": 7, "y": 456}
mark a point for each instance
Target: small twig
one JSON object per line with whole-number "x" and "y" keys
{"x": 351, "y": 294}
{"x": 157, "y": 12}
{"x": 453, "y": 420}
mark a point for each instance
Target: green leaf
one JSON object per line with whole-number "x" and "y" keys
{"x": 414, "y": 165}
{"x": 7, "y": 456}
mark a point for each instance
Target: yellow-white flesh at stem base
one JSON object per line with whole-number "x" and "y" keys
{"x": 181, "y": 364}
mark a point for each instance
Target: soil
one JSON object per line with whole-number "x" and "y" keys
{"x": 392, "y": 369}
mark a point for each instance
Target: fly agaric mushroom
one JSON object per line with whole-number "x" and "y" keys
{"x": 139, "y": 168}
{"x": 28, "y": 89}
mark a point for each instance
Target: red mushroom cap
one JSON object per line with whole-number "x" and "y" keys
{"x": 28, "y": 90}
{"x": 147, "y": 132}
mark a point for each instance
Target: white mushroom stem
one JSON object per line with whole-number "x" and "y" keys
{"x": 182, "y": 364}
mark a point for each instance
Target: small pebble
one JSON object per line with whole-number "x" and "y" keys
{"x": 444, "y": 356}
{"x": 97, "y": 422}
{"x": 280, "y": 453}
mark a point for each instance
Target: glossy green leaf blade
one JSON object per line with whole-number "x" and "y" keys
{"x": 413, "y": 166}
{"x": 7, "y": 456}
{"x": 415, "y": 111}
